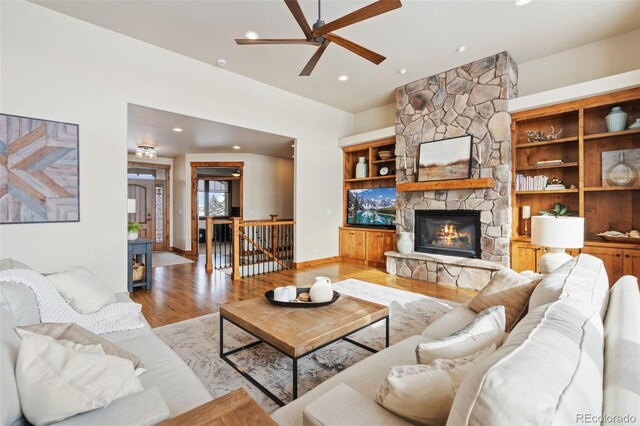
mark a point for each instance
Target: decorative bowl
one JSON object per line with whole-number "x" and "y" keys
{"x": 620, "y": 239}
{"x": 385, "y": 155}
{"x": 269, "y": 296}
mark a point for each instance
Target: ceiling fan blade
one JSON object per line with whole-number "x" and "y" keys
{"x": 374, "y": 9}
{"x": 276, "y": 41}
{"x": 369, "y": 55}
{"x": 314, "y": 59}
{"x": 296, "y": 11}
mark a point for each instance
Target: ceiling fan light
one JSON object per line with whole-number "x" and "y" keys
{"x": 146, "y": 151}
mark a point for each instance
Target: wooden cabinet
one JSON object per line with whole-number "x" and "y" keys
{"x": 612, "y": 259}
{"x": 525, "y": 256}
{"x": 631, "y": 262}
{"x": 352, "y": 243}
{"x": 366, "y": 245}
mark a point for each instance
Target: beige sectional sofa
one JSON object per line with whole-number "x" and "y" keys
{"x": 573, "y": 359}
{"x": 170, "y": 386}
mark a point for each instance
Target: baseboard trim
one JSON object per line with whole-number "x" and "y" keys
{"x": 181, "y": 252}
{"x": 316, "y": 262}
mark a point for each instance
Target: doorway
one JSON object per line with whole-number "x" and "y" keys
{"x": 149, "y": 185}
{"x": 216, "y": 191}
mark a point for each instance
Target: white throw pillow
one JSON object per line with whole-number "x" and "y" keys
{"x": 59, "y": 379}
{"x": 424, "y": 393}
{"x": 84, "y": 291}
{"x": 486, "y": 329}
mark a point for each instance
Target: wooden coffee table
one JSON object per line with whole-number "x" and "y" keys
{"x": 297, "y": 332}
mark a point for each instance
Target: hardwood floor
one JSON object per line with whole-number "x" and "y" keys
{"x": 182, "y": 292}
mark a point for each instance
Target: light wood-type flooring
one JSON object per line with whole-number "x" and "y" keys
{"x": 182, "y": 292}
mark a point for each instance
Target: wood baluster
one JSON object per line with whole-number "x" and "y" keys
{"x": 235, "y": 248}
{"x": 208, "y": 236}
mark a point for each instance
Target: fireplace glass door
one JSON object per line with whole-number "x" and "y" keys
{"x": 448, "y": 232}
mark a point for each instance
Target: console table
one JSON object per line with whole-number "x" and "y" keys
{"x": 140, "y": 250}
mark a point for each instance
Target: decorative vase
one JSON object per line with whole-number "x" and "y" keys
{"x": 362, "y": 170}
{"x": 405, "y": 245}
{"x": 132, "y": 236}
{"x": 636, "y": 124}
{"x": 621, "y": 173}
{"x": 616, "y": 119}
{"x": 321, "y": 290}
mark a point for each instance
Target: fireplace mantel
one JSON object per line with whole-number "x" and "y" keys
{"x": 446, "y": 184}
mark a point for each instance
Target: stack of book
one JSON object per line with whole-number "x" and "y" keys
{"x": 531, "y": 183}
{"x": 550, "y": 163}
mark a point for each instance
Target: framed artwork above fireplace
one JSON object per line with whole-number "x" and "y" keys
{"x": 445, "y": 159}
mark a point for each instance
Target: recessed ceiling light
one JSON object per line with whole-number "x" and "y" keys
{"x": 403, "y": 71}
{"x": 177, "y": 129}
{"x": 343, "y": 78}
{"x": 236, "y": 147}
{"x": 221, "y": 62}
{"x": 251, "y": 35}
{"x": 522, "y": 2}
{"x": 461, "y": 49}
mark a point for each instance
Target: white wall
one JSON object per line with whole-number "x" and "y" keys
{"x": 59, "y": 68}
{"x": 375, "y": 118}
{"x": 267, "y": 186}
{"x": 602, "y": 58}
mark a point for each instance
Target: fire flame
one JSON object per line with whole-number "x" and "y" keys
{"x": 449, "y": 232}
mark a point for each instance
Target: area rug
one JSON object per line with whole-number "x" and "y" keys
{"x": 164, "y": 258}
{"x": 196, "y": 342}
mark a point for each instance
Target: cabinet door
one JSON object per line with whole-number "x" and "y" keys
{"x": 524, "y": 257}
{"x": 631, "y": 263}
{"x": 352, "y": 244}
{"x": 612, "y": 258}
{"x": 358, "y": 243}
{"x": 377, "y": 244}
{"x": 346, "y": 249}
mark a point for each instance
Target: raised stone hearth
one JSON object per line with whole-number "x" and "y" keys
{"x": 448, "y": 270}
{"x": 473, "y": 100}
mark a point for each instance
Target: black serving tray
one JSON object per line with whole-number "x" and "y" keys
{"x": 269, "y": 296}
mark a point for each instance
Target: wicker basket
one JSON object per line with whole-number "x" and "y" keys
{"x": 138, "y": 271}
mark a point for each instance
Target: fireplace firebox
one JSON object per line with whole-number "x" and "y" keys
{"x": 448, "y": 232}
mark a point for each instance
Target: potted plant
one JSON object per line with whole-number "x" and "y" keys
{"x": 133, "y": 229}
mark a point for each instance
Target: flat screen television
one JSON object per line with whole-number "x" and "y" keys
{"x": 371, "y": 207}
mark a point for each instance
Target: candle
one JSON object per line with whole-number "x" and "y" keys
{"x": 405, "y": 161}
{"x": 415, "y": 165}
{"x": 479, "y": 155}
{"x": 526, "y": 212}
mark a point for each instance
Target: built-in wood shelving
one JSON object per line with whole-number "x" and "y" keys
{"x": 548, "y": 191}
{"x": 389, "y": 160}
{"x": 546, "y": 143}
{"x": 553, "y": 166}
{"x": 446, "y": 184}
{"x": 370, "y": 178}
{"x": 609, "y": 135}
{"x": 611, "y": 188}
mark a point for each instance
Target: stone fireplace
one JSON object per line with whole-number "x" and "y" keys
{"x": 448, "y": 232}
{"x": 469, "y": 100}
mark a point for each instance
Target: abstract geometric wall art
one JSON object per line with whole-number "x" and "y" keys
{"x": 39, "y": 171}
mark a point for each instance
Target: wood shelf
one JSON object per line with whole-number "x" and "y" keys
{"x": 545, "y": 191}
{"x": 545, "y": 143}
{"x": 554, "y": 166}
{"x": 612, "y": 188}
{"x": 588, "y": 242}
{"x": 611, "y": 134}
{"x": 390, "y": 160}
{"x": 370, "y": 178}
{"x": 446, "y": 184}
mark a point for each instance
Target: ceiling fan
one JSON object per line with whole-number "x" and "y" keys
{"x": 321, "y": 35}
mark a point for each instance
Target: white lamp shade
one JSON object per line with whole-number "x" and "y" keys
{"x": 557, "y": 232}
{"x": 131, "y": 205}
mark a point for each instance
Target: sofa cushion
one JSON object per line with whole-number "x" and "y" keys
{"x": 582, "y": 279}
{"x": 59, "y": 379}
{"x": 506, "y": 288}
{"x": 548, "y": 371}
{"x": 11, "y": 263}
{"x": 144, "y": 408}
{"x": 622, "y": 351}
{"x": 166, "y": 371}
{"x": 10, "y": 411}
{"x": 20, "y": 301}
{"x": 346, "y": 406}
{"x": 424, "y": 393}
{"x": 82, "y": 289}
{"x": 364, "y": 377}
{"x": 448, "y": 324}
{"x": 485, "y": 329}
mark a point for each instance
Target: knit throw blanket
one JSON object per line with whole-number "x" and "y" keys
{"x": 53, "y": 308}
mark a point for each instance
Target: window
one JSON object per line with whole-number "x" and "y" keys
{"x": 214, "y": 198}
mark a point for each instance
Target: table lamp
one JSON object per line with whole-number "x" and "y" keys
{"x": 558, "y": 234}
{"x": 526, "y": 215}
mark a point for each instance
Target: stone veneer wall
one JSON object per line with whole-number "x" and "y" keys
{"x": 471, "y": 99}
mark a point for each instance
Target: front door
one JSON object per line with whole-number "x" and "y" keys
{"x": 143, "y": 191}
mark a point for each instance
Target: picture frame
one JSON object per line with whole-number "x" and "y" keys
{"x": 445, "y": 159}
{"x": 39, "y": 170}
